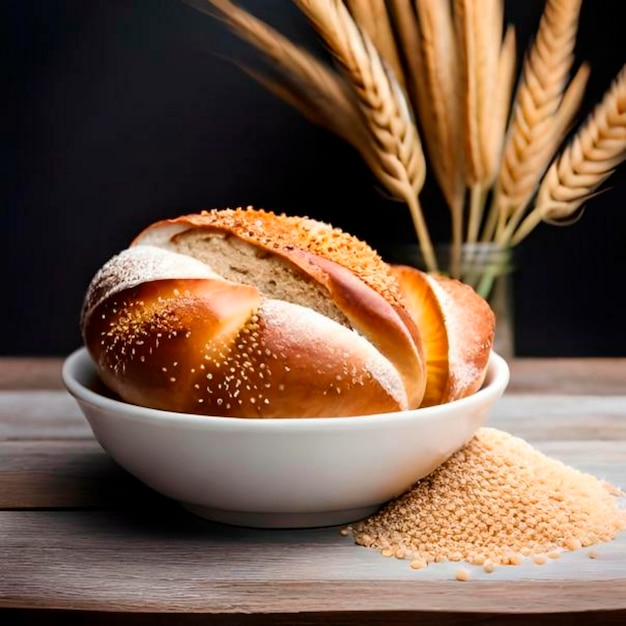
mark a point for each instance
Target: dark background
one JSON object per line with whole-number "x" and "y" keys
{"x": 121, "y": 112}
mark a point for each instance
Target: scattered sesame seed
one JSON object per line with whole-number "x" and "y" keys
{"x": 462, "y": 574}
{"x": 492, "y": 503}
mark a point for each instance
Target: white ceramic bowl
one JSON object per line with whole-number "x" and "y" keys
{"x": 283, "y": 472}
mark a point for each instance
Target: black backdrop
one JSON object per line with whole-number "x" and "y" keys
{"x": 121, "y": 112}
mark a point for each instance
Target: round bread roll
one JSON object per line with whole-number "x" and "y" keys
{"x": 247, "y": 313}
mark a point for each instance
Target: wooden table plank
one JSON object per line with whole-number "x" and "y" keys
{"x": 139, "y": 561}
{"x": 41, "y": 414}
{"x": 547, "y": 417}
{"x": 67, "y": 474}
{"x": 30, "y": 373}
{"x": 571, "y": 376}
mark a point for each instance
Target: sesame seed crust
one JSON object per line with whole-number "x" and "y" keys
{"x": 186, "y": 319}
{"x": 215, "y": 348}
{"x": 281, "y": 232}
{"x": 347, "y": 271}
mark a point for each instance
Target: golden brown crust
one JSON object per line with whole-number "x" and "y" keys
{"x": 210, "y": 347}
{"x": 279, "y": 233}
{"x": 168, "y": 331}
{"x": 357, "y": 279}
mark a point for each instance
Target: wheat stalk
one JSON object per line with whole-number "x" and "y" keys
{"x": 372, "y": 16}
{"x": 400, "y": 163}
{"x": 596, "y": 150}
{"x": 438, "y": 97}
{"x": 429, "y": 45}
{"x": 506, "y": 83}
{"x": 531, "y": 140}
{"x": 562, "y": 122}
{"x": 460, "y": 74}
{"x": 479, "y": 28}
{"x": 308, "y": 85}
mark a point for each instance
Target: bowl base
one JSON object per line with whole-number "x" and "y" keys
{"x": 280, "y": 520}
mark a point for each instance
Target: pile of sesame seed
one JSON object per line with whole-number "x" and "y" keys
{"x": 497, "y": 501}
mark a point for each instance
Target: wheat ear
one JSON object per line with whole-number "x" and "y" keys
{"x": 373, "y": 17}
{"x": 435, "y": 79}
{"x": 438, "y": 97}
{"x": 479, "y": 28}
{"x": 399, "y": 164}
{"x": 531, "y": 140}
{"x": 308, "y": 85}
{"x": 590, "y": 158}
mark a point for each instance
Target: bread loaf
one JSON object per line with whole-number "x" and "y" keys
{"x": 247, "y": 313}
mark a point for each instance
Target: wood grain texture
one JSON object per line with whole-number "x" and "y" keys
{"x": 36, "y": 414}
{"x": 30, "y": 373}
{"x": 586, "y": 376}
{"x": 541, "y": 375}
{"x": 83, "y": 542}
{"x": 175, "y": 562}
{"x": 67, "y": 475}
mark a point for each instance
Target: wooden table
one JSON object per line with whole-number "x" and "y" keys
{"x": 82, "y": 541}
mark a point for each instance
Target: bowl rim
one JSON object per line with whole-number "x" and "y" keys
{"x": 496, "y": 381}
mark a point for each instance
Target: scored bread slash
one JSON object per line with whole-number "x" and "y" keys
{"x": 245, "y": 313}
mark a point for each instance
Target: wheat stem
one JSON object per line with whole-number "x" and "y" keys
{"x": 562, "y": 120}
{"x": 429, "y": 45}
{"x": 477, "y": 203}
{"x": 531, "y": 140}
{"x": 506, "y": 82}
{"x": 438, "y": 98}
{"x": 596, "y": 150}
{"x": 400, "y": 163}
{"x": 373, "y": 17}
{"x": 479, "y": 53}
